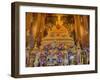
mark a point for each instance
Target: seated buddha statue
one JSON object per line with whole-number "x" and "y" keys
{"x": 58, "y": 34}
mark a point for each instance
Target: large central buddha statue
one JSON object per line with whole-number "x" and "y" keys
{"x": 58, "y": 34}
{"x": 58, "y": 31}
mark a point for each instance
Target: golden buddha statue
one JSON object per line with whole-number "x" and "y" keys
{"x": 58, "y": 34}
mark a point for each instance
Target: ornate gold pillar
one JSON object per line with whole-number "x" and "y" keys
{"x": 77, "y": 27}
{"x": 85, "y": 26}
{"x": 40, "y": 27}
{"x": 29, "y": 20}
